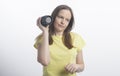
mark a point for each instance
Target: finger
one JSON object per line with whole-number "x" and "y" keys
{"x": 47, "y": 26}
{"x": 38, "y": 21}
{"x": 69, "y": 67}
{"x": 74, "y": 70}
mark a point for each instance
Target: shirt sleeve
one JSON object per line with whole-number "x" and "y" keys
{"x": 78, "y": 42}
{"x": 37, "y": 42}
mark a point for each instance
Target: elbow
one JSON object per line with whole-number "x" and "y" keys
{"x": 43, "y": 62}
{"x": 81, "y": 68}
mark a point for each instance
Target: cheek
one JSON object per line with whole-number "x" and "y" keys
{"x": 67, "y": 24}
{"x": 55, "y": 23}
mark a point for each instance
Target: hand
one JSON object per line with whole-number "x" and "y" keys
{"x": 41, "y": 26}
{"x": 72, "y": 68}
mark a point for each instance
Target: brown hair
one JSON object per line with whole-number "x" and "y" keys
{"x": 66, "y": 35}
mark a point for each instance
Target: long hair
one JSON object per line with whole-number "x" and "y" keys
{"x": 67, "y": 40}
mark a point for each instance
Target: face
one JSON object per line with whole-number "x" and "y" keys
{"x": 62, "y": 20}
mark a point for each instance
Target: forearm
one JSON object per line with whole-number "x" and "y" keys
{"x": 43, "y": 50}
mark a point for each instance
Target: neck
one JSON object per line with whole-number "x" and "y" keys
{"x": 59, "y": 33}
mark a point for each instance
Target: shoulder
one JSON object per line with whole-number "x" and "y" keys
{"x": 75, "y": 35}
{"x": 77, "y": 40}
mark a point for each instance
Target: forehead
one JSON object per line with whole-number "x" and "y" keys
{"x": 65, "y": 12}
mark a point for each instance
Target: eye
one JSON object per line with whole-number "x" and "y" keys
{"x": 60, "y": 17}
{"x": 68, "y": 20}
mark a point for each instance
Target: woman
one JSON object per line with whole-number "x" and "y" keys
{"x": 59, "y": 49}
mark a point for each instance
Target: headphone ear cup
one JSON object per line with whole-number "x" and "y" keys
{"x": 46, "y": 20}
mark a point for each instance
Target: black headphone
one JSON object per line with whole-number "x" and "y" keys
{"x": 46, "y": 20}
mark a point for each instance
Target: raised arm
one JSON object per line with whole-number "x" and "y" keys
{"x": 43, "y": 55}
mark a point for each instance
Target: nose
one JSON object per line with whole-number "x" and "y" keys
{"x": 63, "y": 21}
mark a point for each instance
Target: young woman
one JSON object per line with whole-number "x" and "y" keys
{"x": 59, "y": 49}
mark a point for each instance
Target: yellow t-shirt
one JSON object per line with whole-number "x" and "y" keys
{"x": 60, "y": 55}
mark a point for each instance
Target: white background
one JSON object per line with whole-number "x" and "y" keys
{"x": 98, "y": 22}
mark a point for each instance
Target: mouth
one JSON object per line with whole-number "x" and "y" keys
{"x": 62, "y": 26}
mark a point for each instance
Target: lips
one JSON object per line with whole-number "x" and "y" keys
{"x": 62, "y": 26}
